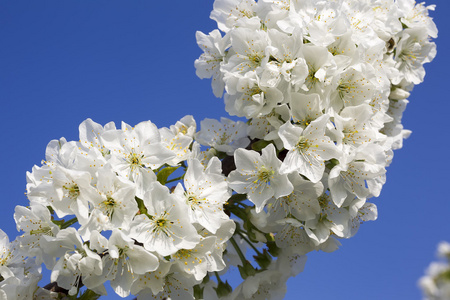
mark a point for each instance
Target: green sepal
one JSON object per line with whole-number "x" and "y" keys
{"x": 198, "y": 292}
{"x": 263, "y": 259}
{"x": 331, "y": 163}
{"x": 273, "y": 248}
{"x": 246, "y": 270}
{"x": 223, "y": 289}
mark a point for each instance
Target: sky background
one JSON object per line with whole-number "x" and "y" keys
{"x": 64, "y": 61}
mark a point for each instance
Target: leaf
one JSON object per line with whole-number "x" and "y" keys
{"x": 141, "y": 206}
{"x": 164, "y": 174}
{"x": 259, "y": 145}
{"x": 237, "y": 198}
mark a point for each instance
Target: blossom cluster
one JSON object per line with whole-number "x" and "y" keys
{"x": 323, "y": 86}
{"x": 19, "y": 274}
{"x": 436, "y": 283}
{"x": 155, "y": 212}
{"x": 129, "y": 226}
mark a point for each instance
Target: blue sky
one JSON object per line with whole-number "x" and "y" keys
{"x": 64, "y": 61}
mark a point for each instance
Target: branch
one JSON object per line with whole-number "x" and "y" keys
{"x": 53, "y": 287}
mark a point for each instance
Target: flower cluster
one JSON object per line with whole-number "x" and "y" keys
{"x": 354, "y": 62}
{"x": 436, "y": 283}
{"x": 19, "y": 274}
{"x": 322, "y": 86}
{"x": 131, "y": 229}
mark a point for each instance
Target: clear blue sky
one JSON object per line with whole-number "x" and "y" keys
{"x": 64, "y": 61}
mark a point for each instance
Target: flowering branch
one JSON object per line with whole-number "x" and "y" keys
{"x": 155, "y": 212}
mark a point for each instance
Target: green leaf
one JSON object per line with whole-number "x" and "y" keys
{"x": 89, "y": 295}
{"x": 259, "y": 145}
{"x": 237, "y": 198}
{"x": 237, "y": 211}
{"x": 141, "y": 206}
{"x": 164, "y": 174}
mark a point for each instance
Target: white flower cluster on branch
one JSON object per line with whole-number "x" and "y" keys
{"x": 133, "y": 231}
{"x": 322, "y": 86}
{"x": 435, "y": 284}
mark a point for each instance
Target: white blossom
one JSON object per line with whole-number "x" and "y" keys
{"x": 225, "y": 136}
{"x": 259, "y": 176}
{"x": 308, "y": 149}
{"x": 165, "y": 228}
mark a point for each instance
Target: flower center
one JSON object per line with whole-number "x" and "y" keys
{"x": 302, "y": 144}
{"x": 311, "y": 79}
{"x": 324, "y": 202}
{"x": 305, "y": 121}
{"x": 43, "y": 230}
{"x": 123, "y": 252}
{"x": 109, "y": 204}
{"x": 324, "y": 199}
{"x": 224, "y": 138}
{"x": 192, "y": 201}
{"x": 345, "y": 88}
{"x": 162, "y": 224}
{"x": 5, "y": 256}
{"x": 349, "y": 136}
{"x": 408, "y": 56}
{"x": 333, "y": 50}
{"x": 246, "y": 13}
{"x": 135, "y": 160}
{"x": 255, "y": 91}
{"x": 264, "y": 175}
{"x": 255, "y": 59}
{"x": 72, "y": 191}
{"x": 183, "y": 129}
{"x": 183, "y": 254}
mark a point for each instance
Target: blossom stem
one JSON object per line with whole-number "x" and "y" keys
{"x": 66, "y": 224}
{"x": 218, "y": 277}
{"x": 248, "y": 241}
{"x": 253, "y": 228}
{"x": 238, "y": 250}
